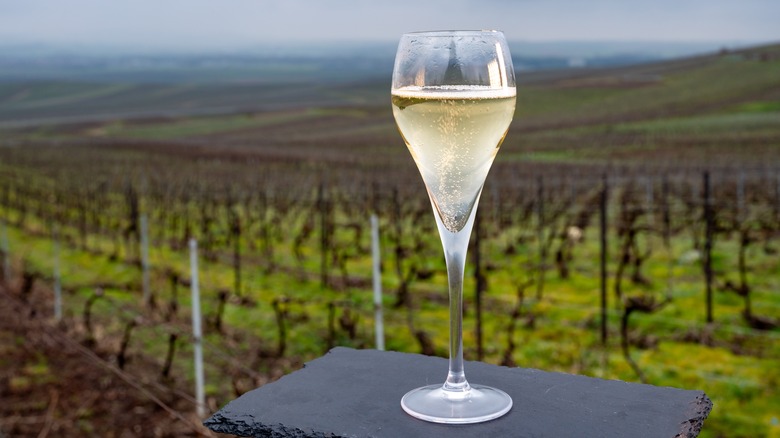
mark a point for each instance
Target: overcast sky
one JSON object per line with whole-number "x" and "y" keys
{"x": 240, "y": 24}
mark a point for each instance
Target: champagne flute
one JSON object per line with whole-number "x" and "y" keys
{"x": 453, "y": 98}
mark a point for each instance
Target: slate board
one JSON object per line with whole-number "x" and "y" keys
{"x": 357, "y": 393}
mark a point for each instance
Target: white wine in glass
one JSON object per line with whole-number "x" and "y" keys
{"x": 453, "y": 98}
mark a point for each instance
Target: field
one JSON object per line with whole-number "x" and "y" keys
{"x": 277, "y": 182}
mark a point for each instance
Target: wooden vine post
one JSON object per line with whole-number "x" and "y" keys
{"x": 197, "y": 333}
{"x": 708, "y": 233}
{"x": 376, "y": 265}
{"x": 145, "y": 260}
{"x": 603, "y": 252}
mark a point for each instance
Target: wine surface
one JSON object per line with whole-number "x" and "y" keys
{"x": 453, "y": 134}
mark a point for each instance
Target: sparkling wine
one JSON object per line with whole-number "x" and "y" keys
{"x": 453, "y": 134}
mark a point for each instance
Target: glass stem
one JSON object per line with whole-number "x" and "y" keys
{"x": 455, "y": 248}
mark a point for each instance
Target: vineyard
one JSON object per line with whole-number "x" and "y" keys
{"x": 629, "y": 229}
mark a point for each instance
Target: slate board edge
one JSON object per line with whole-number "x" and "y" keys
{"x": 218, "y": 423}
{"x": 698, "y": 412}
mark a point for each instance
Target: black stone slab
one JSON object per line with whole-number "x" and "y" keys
{"x": 357, "y": 393}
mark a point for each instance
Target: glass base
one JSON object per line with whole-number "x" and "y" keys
{"x": 480, "y": 403}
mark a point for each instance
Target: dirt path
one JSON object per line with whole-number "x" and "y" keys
{"x": 51, "y": 385}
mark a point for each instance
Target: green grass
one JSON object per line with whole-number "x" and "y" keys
{"x": 760, "y": 107}
{"x": 182, "y": 128}
{"x": 709, "y": 125}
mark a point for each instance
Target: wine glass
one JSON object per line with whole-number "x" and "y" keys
{"x": 453, "y": 98}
